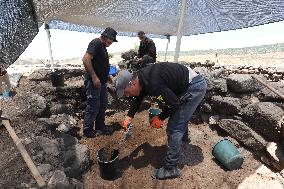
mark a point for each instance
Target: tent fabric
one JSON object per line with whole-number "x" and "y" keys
{"x": 18, "y": 27}
{"x": 20, "y": 19}
{"x": 162, "y": 16}
{"x": 57, "y": 24}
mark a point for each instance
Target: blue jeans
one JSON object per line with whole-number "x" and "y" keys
{"x": 96, "y": 106}
{"x": 178, "y": 122}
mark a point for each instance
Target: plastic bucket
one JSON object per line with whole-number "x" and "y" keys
{"x": 57, "y": 79}
{"x": 109, "y": 167}
{"x": 153, "y": 112}
{"x": 227, "y": 154}
{"x": 112, "y": 70}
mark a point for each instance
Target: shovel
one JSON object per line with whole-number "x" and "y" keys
{"x": 6, "y": 122}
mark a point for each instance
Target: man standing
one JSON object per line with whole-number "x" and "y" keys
{"x": 147, "y": 50}
{"x": 96, "y": 63}
{"x": 182, "y": 90}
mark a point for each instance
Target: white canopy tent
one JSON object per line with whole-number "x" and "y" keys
{"x": 19, "y": 19}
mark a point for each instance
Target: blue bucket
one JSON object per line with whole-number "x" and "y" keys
{"x": 227, "y": 154}
{"x": 153, "y": 112}
{"x": 112, "y": 70}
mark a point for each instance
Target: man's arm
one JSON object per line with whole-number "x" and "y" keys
{"x": 135, "y": 104}
{"x": 152, "y": 49}
{"x": 87, "y": 61}
{"x": 139, "y": 50}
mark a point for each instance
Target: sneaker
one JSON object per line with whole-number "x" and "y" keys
{"x": 165, "y": 173}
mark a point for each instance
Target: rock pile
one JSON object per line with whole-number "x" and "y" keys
{"x": 246, "y": 109}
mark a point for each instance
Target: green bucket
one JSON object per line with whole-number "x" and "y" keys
{"x": 153, "y": 112}
{"x": 227, "y": 154}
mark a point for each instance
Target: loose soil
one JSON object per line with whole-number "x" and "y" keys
{"x": 138, "y": 156}
{"x": 146, "y": 149}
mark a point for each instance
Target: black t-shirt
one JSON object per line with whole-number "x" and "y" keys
{"x": 147, "y": 47}
{"x": 100, "y": 60}
{"x": 167, "y": 81}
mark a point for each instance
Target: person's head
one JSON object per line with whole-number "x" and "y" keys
{"x": 108, "y": 36}
{"x": 127, "y": 85}
{"x": 141, "y": 35}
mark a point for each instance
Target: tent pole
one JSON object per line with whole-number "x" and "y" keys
{"x": 46, "y": 27}
{"x": 169, "y": 38}
{"x": 180, "y": 29}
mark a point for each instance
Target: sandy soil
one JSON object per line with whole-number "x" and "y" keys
{"x": 145, "y": 151}
{"x": 137, "y": 158}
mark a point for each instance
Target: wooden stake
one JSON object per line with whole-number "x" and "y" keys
{"x": 40, "y": 181}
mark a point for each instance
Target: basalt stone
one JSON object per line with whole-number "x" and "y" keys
{"x": 241, "y": 132}
{"x": 265, "y": 118}
{"x": 242, "y": 83}
{"x": 226, "y": 105}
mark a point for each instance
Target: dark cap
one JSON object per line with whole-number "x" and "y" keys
{"x": 110, "y": 33}
{"x": 141, "y": 33}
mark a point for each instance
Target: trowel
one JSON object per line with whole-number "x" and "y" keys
{"x": 127, "y": 134}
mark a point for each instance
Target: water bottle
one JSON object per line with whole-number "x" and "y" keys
{"x": 5, "y": 89}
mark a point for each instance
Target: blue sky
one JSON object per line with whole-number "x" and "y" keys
{"x": 70, "y": 44}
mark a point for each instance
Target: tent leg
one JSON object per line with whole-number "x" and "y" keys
{"x": 180, "y": 29}
{"x": 168, "y": 37}
{"x": 46, "y": 27}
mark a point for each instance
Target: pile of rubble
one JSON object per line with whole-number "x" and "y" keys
{"x": 246, "y": 109}
{"x": 250, "y": 112}
{"x": 269, "y": 72}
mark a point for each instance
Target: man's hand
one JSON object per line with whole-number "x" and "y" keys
{"x": 156, "y": 122}
{"x": 87, "y": 61}
{"x": 139, "y": 60}
{"x": 109, "y": 79}
{"x": 124, "y": 124}
{"x": 96, "y": 81}
{"x": 2, "y": 71}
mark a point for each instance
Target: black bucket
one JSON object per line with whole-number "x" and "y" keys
{"x": 109, "y": 166}
{"x": 57, "y": 79}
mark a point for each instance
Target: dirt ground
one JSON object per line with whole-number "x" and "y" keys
{"x": 145, "y": 152}
{"x": 138, "y": 157}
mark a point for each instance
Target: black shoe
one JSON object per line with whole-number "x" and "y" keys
{"x": 186, "y": 139}
{"x": 165, "y": 173}
{"x": 107, "y": 131}
{"x": 89, "y": 133}
{"x": 92, "y": 133}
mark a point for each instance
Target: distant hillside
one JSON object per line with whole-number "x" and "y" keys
{"x": 279, "y": 47}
